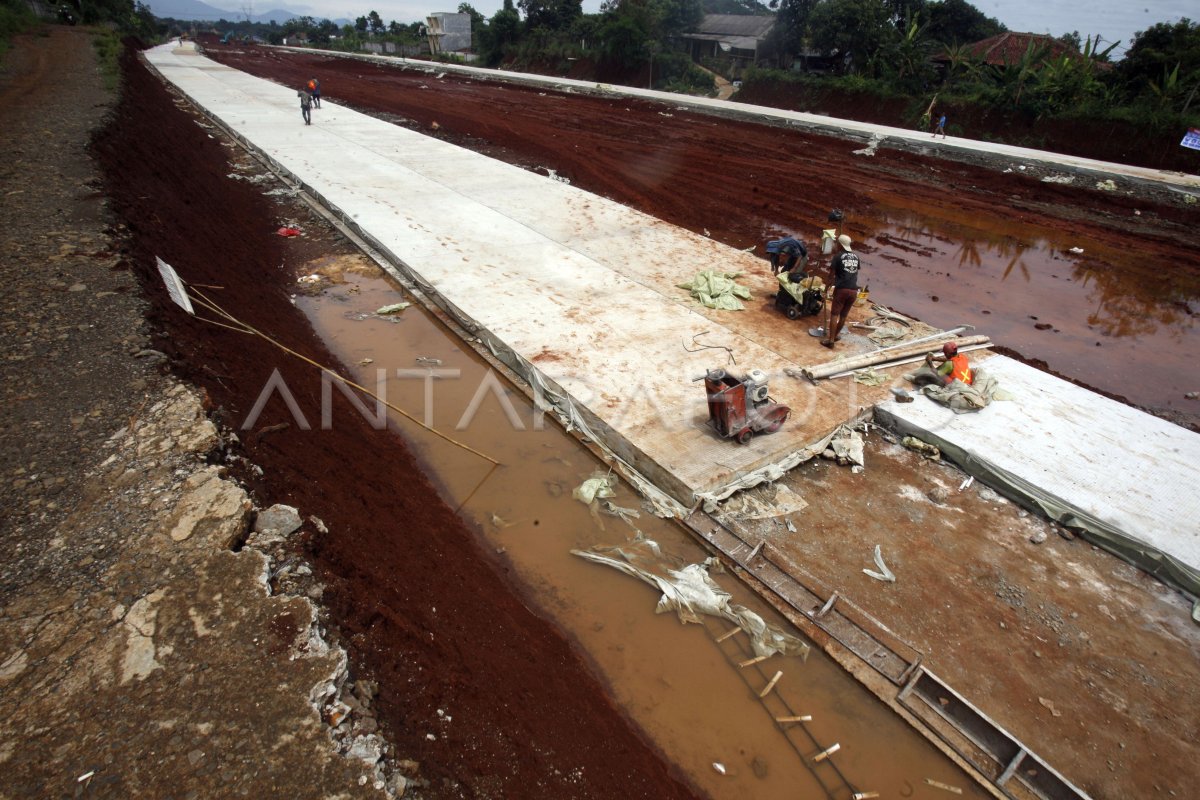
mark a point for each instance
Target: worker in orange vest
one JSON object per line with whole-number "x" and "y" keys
{"x": 314, "y": 89}
{"x": 951, "y": 365}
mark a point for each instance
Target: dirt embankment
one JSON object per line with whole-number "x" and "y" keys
{"x": 1107, "y": 140}
{"x": 420, "y": 606}
{"x": 128, "y": 626}
{"x": 1059, "y": 637}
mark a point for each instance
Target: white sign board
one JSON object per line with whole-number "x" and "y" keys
{"x": 175, "y": 286}
{"x": 1191, "y": 139}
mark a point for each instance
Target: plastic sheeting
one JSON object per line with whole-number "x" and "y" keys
{"x": 718, "y": 290}
{"x": 962, "y": 398}
{"x": 771, "y": 472}
{"x": 691, "y": 592}
{"x": 797, "y": 290}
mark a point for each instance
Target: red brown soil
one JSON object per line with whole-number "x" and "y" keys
{"x": 421, "y": 607}
{"x": 742, "y": 182}
{"x": 1091, "y": 693}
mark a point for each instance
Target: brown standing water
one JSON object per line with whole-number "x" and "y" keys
{"x": 1106, "y": 315}
{"x": 681, "y": 686}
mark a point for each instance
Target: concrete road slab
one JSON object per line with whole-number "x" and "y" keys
{"x": 581, "y": 289}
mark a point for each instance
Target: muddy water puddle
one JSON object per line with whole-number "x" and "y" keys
{"x": 676, "y": 681}
{"x": 1109, "y": 317}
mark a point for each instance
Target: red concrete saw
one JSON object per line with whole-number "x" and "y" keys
{"x": 738, "y": 408}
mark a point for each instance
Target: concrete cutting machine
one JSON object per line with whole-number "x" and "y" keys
{"x": 738, "y": 408}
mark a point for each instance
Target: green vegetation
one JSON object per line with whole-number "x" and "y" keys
{"x": 108, "y": 21}
{"x": 917, "y": 49}
{"x": 107, "y": 44}
{"x": 15, "y": 17}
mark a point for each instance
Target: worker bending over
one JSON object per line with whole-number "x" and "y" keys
{"x": 785, "y": 254}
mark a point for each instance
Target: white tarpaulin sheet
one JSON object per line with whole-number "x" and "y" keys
{"x": 691, "y": 592}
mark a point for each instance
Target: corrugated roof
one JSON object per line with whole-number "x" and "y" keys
{"x": 735, "y": 25}
{"x": 735, "y": 42}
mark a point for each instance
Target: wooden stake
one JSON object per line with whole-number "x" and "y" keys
{"x": 864, "y": 795}
{"x": 945, "y": 786}
{"x": 803, "y": 718}
{"x": 754, "y": 660}
{"x": 729, "y": 634}
{"x": 767, "y": 689}
{"x": 824, "y": 754}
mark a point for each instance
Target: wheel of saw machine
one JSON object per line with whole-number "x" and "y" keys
{"x": 745, "y": 436}
{"x": 793, "y": 312}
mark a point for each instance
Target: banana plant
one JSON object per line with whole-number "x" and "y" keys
{"x": 1168, "y": 89}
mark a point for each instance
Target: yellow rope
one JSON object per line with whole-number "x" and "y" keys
{"x": 244, "y": 328}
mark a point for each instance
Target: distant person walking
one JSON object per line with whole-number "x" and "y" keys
{"x": 305, "y": 106}
{"x": 314, "y": 88}
{"x": 941, "y": 127}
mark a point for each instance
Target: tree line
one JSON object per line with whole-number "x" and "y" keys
{"x": 914, "y": 47}
{"x": 893, "y": 48}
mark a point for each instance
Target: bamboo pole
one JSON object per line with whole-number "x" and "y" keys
{"x": 767, "y": 689}
{"x": 909, "y": 360}
{"x": 824, "y": 754}
{"x": 819, "y": 371}
{"x": 944, "y": 786}
{"x": 729, "y": 634}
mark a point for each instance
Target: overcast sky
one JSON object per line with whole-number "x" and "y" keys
{"x": 1113, "y": 20}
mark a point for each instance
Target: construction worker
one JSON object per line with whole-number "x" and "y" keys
{"x": 314, "y": 88}
{"x": 845, "y": 269}
{"x": 788, "y": 248}
{"x": 305, "y": 106}
{"x": 945, "y": 369}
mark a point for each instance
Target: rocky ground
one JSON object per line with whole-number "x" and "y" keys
{"x": 144, "y": 647}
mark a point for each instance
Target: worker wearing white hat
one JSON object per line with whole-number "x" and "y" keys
{"x": 845, "y": 269}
